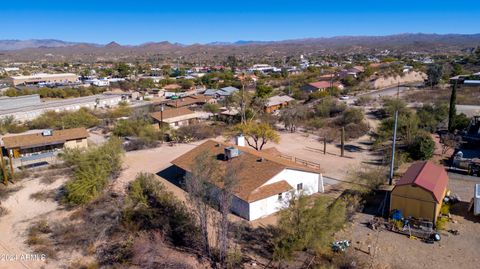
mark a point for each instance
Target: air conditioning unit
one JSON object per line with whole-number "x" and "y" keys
{"x": 231, "y": 152}
{"x": 48, "y": 132}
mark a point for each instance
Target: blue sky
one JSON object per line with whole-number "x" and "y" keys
{"x": 140, "y": 21}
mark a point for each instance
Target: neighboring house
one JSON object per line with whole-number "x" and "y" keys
{"x": 264, "y": 181}
{"x": 178, "y": 117}
{"x": 223, "y": 92}
{"x": 29, "y": 148}
{"x": 420, "y": 191}
{"x": 192, "y": 100}
{"x": 275, "y": 103}
{"x": 320, "y": 86}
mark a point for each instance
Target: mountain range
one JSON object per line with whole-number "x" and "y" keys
{"x": 52, "y": 49}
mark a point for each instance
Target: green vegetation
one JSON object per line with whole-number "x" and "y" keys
{"x": 150, "y": 207}
{"x": 136, "y": 127}
{"x": 56, "y": 92}
{"x": 9, "y": 125}
{"x": 258, "y": 134}
{"x": 413, "y": 129}
{"x": 64, "y": 120}
{"x": 308, "y": 225}
{"x": 92, "y": 170}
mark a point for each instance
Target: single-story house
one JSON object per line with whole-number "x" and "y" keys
{"x": 38, "y": 146}
{"x": 264, "y": 182}
{"x": 276, "y": 102}
{"x": 191, "y": 100}
{"x": 419, "y": 193}
{"x": 321, "y": 86}
{"x": 223, "y": 92}
{"x": 177, "y": 117}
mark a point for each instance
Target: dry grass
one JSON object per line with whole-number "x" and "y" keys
{"x": 52, "y": 175}
{"x": 465, "y": 96}
{"x": 5, "y": 192}
{"x": 3, "y": 211}
{"x": 38, "y": 238}
{"x": 44, "y": 195}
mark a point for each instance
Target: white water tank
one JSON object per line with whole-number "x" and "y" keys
{"x": 240, "y": 140}
{"x": 476, "y": 200}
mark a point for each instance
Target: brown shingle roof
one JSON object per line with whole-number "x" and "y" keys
{"x": 189, "y": 100}
{"x": 252, "y": 174}
{"x": 427, "y": 175}
{"x": 37, "y": 139}
{"x": 270, "y": 190}
{"x": 171, "y": 113}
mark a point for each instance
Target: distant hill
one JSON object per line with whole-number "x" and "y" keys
{"x": 50, "y": 49}
{"x": 13, "y": 44}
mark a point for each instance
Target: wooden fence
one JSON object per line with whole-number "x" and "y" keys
{"x": 307, "y": 163}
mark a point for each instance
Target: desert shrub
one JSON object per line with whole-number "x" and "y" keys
{"x": 363, "y": 100}
{"x": 352, "y": 115}
{"x": 355, "y": 130}
{"x": 315, "y": 123}
{"x": 152, "y": 207}
{"x": 461, "y": 122}
{"x": 38, "y": 240}
{"x": 197, "y": 131}
{"x": 92, "y": 170}
{"x": 10, "y": 125}
{"x": 329, "y": 107}
{"x": 422, "y": 147}
{"x": 304, "y": 225}
{"x": 64, "y": 120}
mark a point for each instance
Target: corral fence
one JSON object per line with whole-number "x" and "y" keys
{"x": 304, "y": 162}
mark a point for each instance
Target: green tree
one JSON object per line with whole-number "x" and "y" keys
{"x": 259, "y": 133}
{"x": 264, "y": 91}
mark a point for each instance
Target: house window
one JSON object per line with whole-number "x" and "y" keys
{"x": 299, "y": 186}
{"x": 280, "y": 196}
{"x": 79, "y": 140}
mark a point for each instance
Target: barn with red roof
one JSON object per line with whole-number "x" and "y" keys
{"x": 420, "y": 191}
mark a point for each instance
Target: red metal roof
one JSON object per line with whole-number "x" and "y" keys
{"x": 427, "y": 175}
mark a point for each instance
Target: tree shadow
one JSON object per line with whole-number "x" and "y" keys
{"x": 351, "y": 148}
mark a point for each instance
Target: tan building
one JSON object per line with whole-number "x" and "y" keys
{"x": 44, "y": 78}
{"x": 178, "y": 117}
{"x": 420, "y": 191}
{"x": 42, "y": 146}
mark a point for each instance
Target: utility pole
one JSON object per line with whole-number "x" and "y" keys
{"x": 392, "y": 163}
{"x": 342, "y": 142}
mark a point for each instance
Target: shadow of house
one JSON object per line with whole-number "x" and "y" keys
{"x": 174, "y": 175}
{"x": 461, "y": 209}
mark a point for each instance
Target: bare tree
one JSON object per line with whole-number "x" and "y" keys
{"x": 449, "y": 141}
{"x": 224, "y": 205}
{"x": 204, "y": 170}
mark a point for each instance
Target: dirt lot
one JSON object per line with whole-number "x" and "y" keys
{"x": 391, "y": 250}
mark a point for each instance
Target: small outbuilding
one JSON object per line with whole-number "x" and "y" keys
{"x": 420, "y": 191}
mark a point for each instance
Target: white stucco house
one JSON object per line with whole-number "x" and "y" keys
{"x": 264, "y": 182}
